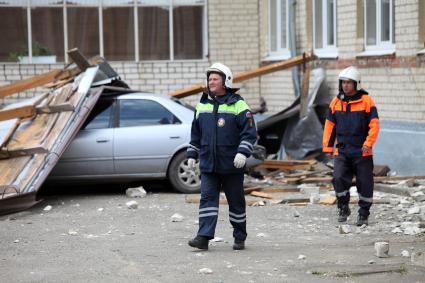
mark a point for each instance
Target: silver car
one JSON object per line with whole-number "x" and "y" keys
{"x": 132, "y": 137}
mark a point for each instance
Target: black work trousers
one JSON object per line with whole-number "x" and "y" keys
{"x": 345, "y": 167}
{"x": 232, "y": 185}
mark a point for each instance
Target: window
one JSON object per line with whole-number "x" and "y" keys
{"x": 187, "y": 32}
{"x": 379, "y": 26}
{"x": 47, "y": 39}
{"x": 154, "y": 33}
{"x": 278, "y": 29}
{"x": 83, "y": 29}
{"x": 100, "y": 116}
{"x": 324, "y": 28}
{"x": 13, "y": 29}
{"x": 118, "y": 33}
{"x": 115, "y": 29}
{"x": 143, "y": 112}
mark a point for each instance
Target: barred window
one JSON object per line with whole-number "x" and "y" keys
{"x": 115, "y": 29}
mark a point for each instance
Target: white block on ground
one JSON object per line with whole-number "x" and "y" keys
{"x": 132, "y": 204}
{"x": 138, "y": 192}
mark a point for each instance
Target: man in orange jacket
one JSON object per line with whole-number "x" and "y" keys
{"x": 352, "y": 121}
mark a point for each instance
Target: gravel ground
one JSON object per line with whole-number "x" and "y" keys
{"x": 94, "y": 237}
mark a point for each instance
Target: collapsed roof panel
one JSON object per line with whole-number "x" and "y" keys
{"x": 36, "y": 136}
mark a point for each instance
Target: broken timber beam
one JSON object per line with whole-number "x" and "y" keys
{"x": 28, "y": 111}
{"x": 32, "y": 82}
{"x": 6, "y": 154}
{"x": 288, "y": 164}
{"x": 55, "y": 108}
{"x": 270, "y": 68}
{"x": 79, "y": 59}
{"x": 25, "y": 111}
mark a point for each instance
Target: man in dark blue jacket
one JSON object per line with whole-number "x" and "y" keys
{"x": 223, "y": 136}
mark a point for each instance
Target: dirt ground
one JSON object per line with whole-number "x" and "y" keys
{"x": 91, "y": 236}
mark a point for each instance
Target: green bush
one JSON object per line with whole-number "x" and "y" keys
{"x": 38, "y": 49}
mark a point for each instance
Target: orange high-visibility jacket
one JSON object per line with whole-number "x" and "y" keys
{"x": 352, "y": 122}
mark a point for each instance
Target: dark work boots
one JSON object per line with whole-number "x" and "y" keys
{"x": 239, "y": 245}
{"x": 362, "y": 220}
{"x": 199, "y": 242}
{"x": 343, "y": 213}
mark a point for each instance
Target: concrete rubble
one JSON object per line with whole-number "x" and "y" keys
{"x": 399, "y": 202}
{"x": 138, "y": 192}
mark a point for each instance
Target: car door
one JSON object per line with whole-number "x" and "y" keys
{"x": 146, "y": 137}
{"x": 90, "y": 153}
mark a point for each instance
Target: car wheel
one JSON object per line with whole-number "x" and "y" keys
{"x": 181, "y": 177}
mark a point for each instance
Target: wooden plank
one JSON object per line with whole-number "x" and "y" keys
{"x": 251, "y": 189}
{"x": 11, "y": 168}
{"x": 13, "y": 126}
{"x": 304, "y": 93}
{"x": 329, "y": 200}
{"x": 5, "y": 154}
{"x": 317, "y": 180}
{"x": 62, "y": 95}
{"x": 289, "y": 162}
{"x": 32, "y": 82}
{"x": 397, "y": 178}
{"x": 274, "y": 67}
{"x": 267, "y": 69}
{"x": 286, "y": 167}
{"x": 261, "y": 194}
{"x": 34, "y": 134}
{"x": 22, "y": 110}
{"x": 55, "y": 108}
{"x": 79, "y": 59}
{"x": 280, "y": 190}
{"x": 197, "y": 199}
{"x": 19, "y": 112}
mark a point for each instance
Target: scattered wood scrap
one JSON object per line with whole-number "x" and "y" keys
{"x": 288, "y": 164}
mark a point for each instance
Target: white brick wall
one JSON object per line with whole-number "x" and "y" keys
{"x": 238, "y": 37}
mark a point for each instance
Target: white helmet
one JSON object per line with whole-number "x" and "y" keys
{"x": 350, "y": 74}
{"x": 224, "y": 71}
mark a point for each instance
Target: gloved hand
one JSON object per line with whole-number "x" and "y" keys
{"x": 239, "y": 160}
{"x": 191, "y": 163}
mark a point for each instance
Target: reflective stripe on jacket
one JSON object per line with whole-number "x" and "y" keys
{"x": 221, "y": 128}
{"x": 352, "y": 122}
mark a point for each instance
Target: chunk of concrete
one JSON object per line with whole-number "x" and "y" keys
{"x": 138, "y": 192}
{"x": 382, "y": 249}
{"x": 177, "y": 217}
{"x": 132, "y": 204}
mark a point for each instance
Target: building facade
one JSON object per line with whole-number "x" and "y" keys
{"x": 164, "y": 45}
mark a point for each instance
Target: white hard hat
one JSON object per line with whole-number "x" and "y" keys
{"x": 350, "y": 74}
{"x": 224, "y": 71}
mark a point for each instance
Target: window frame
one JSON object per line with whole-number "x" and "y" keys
{"x": 327, "y": 51}
{"x": 135, "y": 4}
{"x": 280, "y": 53}
{"x": 381, "y": 47}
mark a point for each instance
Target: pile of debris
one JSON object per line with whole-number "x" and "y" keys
{"x": 399, "y": 201}
{"x": 34, "y": 133}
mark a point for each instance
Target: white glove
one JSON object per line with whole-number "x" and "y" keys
{"x": 191, "y": 163}
{"x": 239, "y": 160}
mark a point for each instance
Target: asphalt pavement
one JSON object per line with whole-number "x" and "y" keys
{"x": 95, "y": 237}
